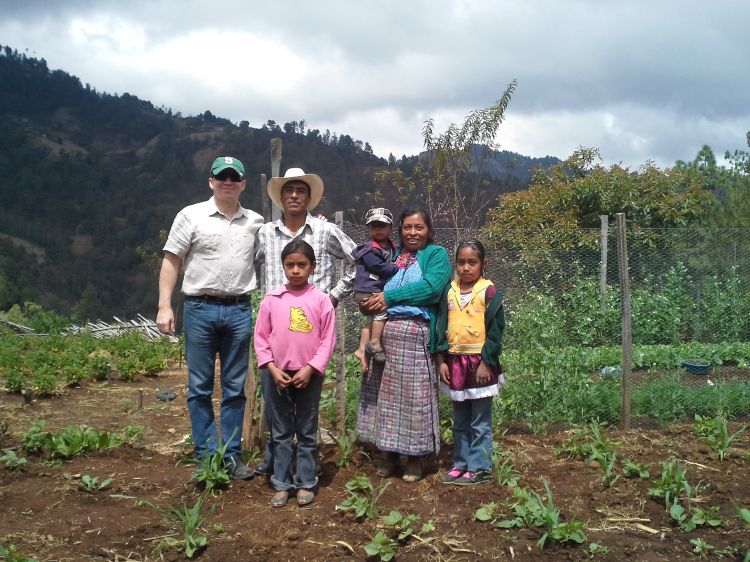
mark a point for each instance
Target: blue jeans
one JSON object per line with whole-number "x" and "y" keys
{"x": 212, "y": 328}
{"x": 293, "y": 412}
{"x": 472, "y": 434}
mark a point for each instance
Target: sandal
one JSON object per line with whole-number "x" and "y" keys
{"x": 385, "y": 467}
{"x": 413, "y": 471}
{"x": 305, "y": 497}
{"x": 280, "y": 498}
{"x": 377, "y": 353}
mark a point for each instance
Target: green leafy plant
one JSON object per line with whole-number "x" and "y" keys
{"x": 689, "y": 520}
{"x": 92, "y": 484}
{"x": 8, "y": 553}
{"x": 11, "y": 460}
{"x": 382, "y": 546}
{"x": 744, "y": 514}
{"x": 702, "y": 547}
{"x": 529, "y": 510}
{"x": 632, "y": 469}
{"x": 363, "y": 497}
{"x": 72, "y": 441}
{"x": 596, "y": 549}
{"x": 188, "y": 521}
{"x": 401, "y": 528}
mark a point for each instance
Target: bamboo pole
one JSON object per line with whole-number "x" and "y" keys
{"x": 340, "y": 346}
{"x": 627, "y": 332}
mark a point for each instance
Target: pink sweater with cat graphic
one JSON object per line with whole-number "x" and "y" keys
{"x": 295, "y": 328}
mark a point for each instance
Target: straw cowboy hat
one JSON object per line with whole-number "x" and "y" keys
{"x": 296, "y": 174}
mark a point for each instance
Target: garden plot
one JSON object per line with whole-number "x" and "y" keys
{"x": 49, "y": 511}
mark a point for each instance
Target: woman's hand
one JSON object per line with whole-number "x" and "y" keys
{"x": 301, "y": 378}
{"x": 281, "y": 379}
{"x": 373, "y": 304}
{"x": 445, "y": 374}
{"x": 484, "y": 375}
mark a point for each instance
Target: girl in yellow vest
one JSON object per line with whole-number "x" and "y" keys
{"x": 470, "y": 331}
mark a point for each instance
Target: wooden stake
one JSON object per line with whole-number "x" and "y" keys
{"x": 627, "y": 322}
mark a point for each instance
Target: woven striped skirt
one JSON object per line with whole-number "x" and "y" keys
{"x": 398, "y": 404}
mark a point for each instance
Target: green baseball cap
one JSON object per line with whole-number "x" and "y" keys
{"x": 224, "y": 162}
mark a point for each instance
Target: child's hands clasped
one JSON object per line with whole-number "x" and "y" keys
{"x": 301, "y": 378}
{"x": 281, "y": 379}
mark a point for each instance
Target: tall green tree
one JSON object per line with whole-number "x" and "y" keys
{"x": 448, "y": 177}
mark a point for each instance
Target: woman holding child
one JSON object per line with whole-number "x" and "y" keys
{"x": 398, "y": 410}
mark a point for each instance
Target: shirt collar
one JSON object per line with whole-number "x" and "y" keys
{"x": 213, "y": 209}
{"x": 281, "y": 289}
{"x": 309, "y": 221}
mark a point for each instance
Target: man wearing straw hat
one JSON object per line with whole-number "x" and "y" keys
{"x": 296, "y": 194}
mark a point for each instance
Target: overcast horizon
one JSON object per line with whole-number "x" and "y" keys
{"x": 639, "y": 81}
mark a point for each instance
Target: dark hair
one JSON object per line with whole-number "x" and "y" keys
{"x": 472, "y": 243}
{"x": 298, "y": 246}
{"x": 409, "y": 211}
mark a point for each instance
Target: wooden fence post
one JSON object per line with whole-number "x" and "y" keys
{"x": 276, "y": 145}
{"x": 252, "y": 421}
{"x": 604, "y": 240}
{"x": 340, "y": 346}
{"x": 627, "y": 332}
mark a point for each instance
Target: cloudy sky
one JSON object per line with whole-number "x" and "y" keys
{"x": 639, "y": 79}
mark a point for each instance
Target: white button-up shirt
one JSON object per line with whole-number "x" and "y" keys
{"x": 217, "y": 251}
{"x": 328, "y": 242}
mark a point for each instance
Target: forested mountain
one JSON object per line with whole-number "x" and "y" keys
{"x": 87, "y": 178}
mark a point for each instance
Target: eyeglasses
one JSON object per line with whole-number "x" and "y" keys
{"x": 230, "y": 175}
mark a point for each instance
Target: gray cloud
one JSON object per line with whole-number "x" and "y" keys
{"x": 641, "y": 80}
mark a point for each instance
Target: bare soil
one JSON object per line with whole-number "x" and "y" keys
{"x": 45, "y": 515}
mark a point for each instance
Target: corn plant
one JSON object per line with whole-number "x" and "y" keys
{"x": 503, "y": 472}
{"x": 92, "y": 484}
{"x": 345, "y": 445}
{"x": 363, "y": 497}
{"x": 671, "y": 483}
{"x": 211, "y": 471}
{"x": 187, "y": 521}
{"x": 603, "y": 452}
{"x": 721, "y": 439}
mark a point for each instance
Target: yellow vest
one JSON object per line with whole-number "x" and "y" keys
{"x": 466, "y": 330}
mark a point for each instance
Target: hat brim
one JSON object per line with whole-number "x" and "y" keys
{"x": 313, "y": 180}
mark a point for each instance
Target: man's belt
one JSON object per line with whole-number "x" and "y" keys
{"x": 229, "y": 299}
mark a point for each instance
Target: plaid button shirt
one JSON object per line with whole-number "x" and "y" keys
{"x": 327, "y": 240}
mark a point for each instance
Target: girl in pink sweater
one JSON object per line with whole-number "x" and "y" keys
{"x": 294, "y": 339}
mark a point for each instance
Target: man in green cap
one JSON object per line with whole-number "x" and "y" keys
{"x": 215, "y": 243}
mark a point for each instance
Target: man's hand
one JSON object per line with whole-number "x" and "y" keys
{"x": 445, "y": 374}
{"x": 165, "y": 320}
{"x": 334, "y": 300}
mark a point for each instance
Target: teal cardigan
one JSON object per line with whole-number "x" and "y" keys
{"x": 436, "y": 275}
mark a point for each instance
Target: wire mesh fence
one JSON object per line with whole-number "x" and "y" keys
{"x": 690, "y": 298}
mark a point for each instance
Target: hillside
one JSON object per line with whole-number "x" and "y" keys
{"x": 88, "y": 177}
